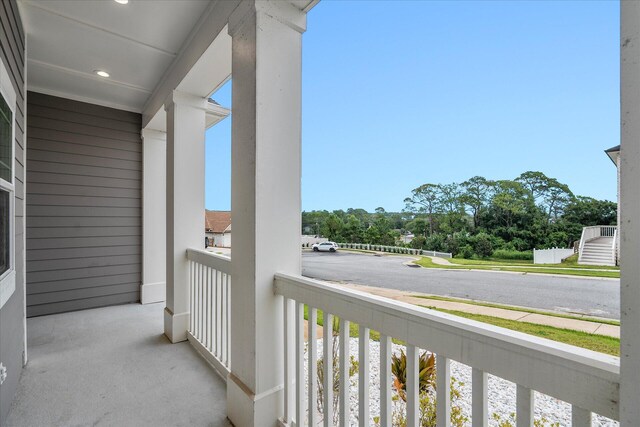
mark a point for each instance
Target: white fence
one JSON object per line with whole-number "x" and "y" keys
{"x": 587, "y": 380}
{"x": 393, "y": 249}
{"x": 210, "y": 286}
{"x": 551, "y": 256}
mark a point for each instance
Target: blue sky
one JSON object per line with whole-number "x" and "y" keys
{"x": 398, "y": 94}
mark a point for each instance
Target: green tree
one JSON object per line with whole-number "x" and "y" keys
{"x": 476, "y": 193}
{"x": 352, "y": 230}
{"x": 588, "y": 211}
{"x": 548, "y": 193}
{"x": 332, "y": 227}
{"x": 418, "y": 226}
{"x": 482, "y": 246}
{"x": 510, "y": 201}
{"x": 425, "y": 200}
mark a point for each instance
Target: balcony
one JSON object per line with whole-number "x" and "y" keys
{"x": 107, "y": 208}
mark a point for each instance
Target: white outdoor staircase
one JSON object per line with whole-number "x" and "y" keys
{"x": 598, "y": 246}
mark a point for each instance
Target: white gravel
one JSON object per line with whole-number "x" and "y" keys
{"x": 502, "y": 393}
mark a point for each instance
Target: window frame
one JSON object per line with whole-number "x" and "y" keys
{"x": 8, "y": 278}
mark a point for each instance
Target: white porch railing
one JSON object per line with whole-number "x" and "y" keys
{"x": 596, "y": 231}
{"x": 614, "y": 248}
{"x": 209, "y": 328}
{"x": 587, "y": 380}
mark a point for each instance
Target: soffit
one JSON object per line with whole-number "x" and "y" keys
{"x": 68, "y": 40}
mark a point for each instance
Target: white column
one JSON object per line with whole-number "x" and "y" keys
{"x": 185, "y": 203}
{"x": 154, "y": 191}
{"x": 630, "y": 214}
{"x": 266, "y": 132}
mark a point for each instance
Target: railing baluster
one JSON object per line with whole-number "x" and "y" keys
{"x": 300, "y": 398}
{"x": 312, "y": 323}
{"x": 216, "y": 326}
{"x": 363, "y": 376}
{"x": 211, "y": 272}
{"x": 345, "y": 365}
{"x": 228, "y": 322}
{"x": 385, "y": 381}
{"x": 443, "y": 387}
{"x": 413, "y": 386}
{"x": 327, "y": 364}
{"x": 191, "y": 298}
{"x": 198, "y": 300}
{"x": 479, "y": 397}
{"x": 289, "y": 358}
{"x": 580, "y": 417}
{"x": 203, "y": 280}
{"x": 524, "y": 407}
{"x": 205, "y": 336}
{"x": 223, "y": 319}
{"x": 222, "y": 315}
{"x": 201, "y": 305}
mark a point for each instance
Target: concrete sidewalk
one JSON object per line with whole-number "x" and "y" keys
{"x": 575, "y": 324}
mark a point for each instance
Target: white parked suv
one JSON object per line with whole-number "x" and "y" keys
{"x": 325, "y": 247}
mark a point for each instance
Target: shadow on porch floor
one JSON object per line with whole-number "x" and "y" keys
{"x": 113, "y": 367}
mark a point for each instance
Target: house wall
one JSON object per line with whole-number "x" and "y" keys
{"x": 84, "y": 235}
{"x": 221, "y": 240}
{"x": 12, "y": 332}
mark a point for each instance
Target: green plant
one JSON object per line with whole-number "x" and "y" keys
{"x": 427, "y": 408}
{"x": 426, "y": 369}
{"x": 511, "y": 421}
{"x": 483, "y": 246}
{"x": 426, "y": 390}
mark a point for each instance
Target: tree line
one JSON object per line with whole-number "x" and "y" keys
{"x": 474, "y": 218}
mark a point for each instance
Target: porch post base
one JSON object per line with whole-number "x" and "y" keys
{"x": 175, "y": 325}
{"x": 152, "y": 292}
{"x": 247, "y": 409}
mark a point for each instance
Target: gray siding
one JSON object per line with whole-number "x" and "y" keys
{"x": 12, "y": 53}
{"x": 84, "y": 205}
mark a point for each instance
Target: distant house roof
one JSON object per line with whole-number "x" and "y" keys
{"x": 217, "y": 221}
{"x": 611, "y": 152}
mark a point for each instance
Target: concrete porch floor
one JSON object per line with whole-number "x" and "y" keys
{"x": 113, "y": 366}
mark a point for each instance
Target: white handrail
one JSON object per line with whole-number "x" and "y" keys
{"x": 581, "y": 246}
{"x": 580, "y": 377}
{"x": 218, "y": 262}
{"x": 614, "y": 248}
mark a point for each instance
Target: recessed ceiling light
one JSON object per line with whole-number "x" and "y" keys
{"x": 122, "y": 1}
{"x": 102, "y": 73}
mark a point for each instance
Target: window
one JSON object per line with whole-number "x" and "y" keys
{"x": 7, "y": 187}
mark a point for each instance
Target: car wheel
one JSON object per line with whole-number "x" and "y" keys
{"x": 315, "y": 249}
{"x": 332, "y": 250}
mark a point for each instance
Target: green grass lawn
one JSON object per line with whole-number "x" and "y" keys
{"x": 523, "y": 309}
{"x": 516, "y": 266}
{"x": 571, "y": 262}
{"x": 599, "y": 343}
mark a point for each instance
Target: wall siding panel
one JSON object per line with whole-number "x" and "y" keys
{"x": 12, "y": 333}
{"x": 84, "y": 189}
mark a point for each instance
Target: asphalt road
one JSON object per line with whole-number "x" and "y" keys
{"x": 568, "y": 294}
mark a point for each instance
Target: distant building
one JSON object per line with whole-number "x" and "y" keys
{"x": 217, "y": 228}
{"x": 407, "y": 238}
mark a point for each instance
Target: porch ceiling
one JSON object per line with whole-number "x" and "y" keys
{"x": 135, "y": 43}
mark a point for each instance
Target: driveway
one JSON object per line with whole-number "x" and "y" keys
{"x": 596, "y": 297}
